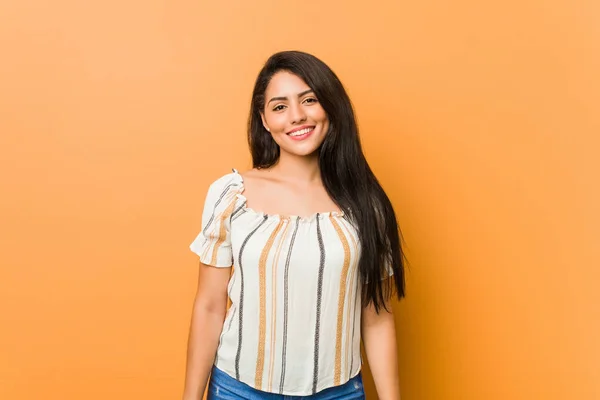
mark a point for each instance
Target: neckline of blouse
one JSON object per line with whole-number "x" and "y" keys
{"x": 308, "y": 218}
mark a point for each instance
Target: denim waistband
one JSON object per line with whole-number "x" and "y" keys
{"x": 223, "y": 386}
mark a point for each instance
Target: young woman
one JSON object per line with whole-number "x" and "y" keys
{"x": 306, "y": 248}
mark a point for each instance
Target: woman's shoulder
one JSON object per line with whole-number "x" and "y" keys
{"x": 236, "y": 181}
{"x": 230, "y": 179}
{"x": 259, "y": 177}
{"x": 225, "y": 184}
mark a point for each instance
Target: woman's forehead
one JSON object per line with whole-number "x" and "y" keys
{"x": 285, "y": 82}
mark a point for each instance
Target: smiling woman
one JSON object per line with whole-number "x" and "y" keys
{"x": 315, "y": 249}
{"x": 297, "y": 122}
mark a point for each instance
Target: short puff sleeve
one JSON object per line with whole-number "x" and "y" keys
{"x": 213, "y": 243}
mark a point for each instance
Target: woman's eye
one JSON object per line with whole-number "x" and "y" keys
{"x": 278, "y": 108}
{"x": 311, "y": 100}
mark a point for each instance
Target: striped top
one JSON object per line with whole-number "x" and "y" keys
{"x": 293, "y": 327}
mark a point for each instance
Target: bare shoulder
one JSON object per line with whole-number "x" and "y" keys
{"x": 259, "y": 177}
{"x": 261, "y": 187}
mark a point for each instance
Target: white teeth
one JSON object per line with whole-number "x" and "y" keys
{"x": 302, "y": 132}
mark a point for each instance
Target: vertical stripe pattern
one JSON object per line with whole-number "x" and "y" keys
{"x": 222, "y": 231}
{"x": 319, "y": 296}
{"x": 274, "y": 303}
{"x": 351, "y": 314}
{"x": 262, "y": 296}
{"x": 337, "y": 372}
{"x": 293, "y": 320}
{"x": 241, "y": 301}
{"x": 212, "y": 217}
{"x": 285, "y": 305}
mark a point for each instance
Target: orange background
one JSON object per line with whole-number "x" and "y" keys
{"x": 480, "y": 118}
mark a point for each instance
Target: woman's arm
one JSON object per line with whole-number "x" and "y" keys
{"x": 379, "y": 339}
{"x": 208, "y": 314}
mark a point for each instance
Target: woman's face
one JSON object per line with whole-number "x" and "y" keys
{"x": 293, "y": 115}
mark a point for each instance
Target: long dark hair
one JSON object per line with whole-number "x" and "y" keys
{"x": 345, "y": 172}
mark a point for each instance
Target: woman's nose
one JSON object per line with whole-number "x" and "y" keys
{"x": 297, "y": 114}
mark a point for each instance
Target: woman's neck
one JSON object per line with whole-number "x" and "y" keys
{"x": 301, "y": 169}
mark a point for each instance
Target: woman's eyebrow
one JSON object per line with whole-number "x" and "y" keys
{"x": 285, "y": 98}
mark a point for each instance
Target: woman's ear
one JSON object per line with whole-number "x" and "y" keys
{"x": 264, "y": 122}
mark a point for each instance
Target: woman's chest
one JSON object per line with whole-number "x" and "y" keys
{"x": 322, "y": 246}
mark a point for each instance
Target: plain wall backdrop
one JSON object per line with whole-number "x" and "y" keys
{"x": 481, "y": 120}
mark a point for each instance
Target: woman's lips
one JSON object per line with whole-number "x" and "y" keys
{"x": 301, "y": 134}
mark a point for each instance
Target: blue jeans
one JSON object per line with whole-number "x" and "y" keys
{"x": 224, "y": 387}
